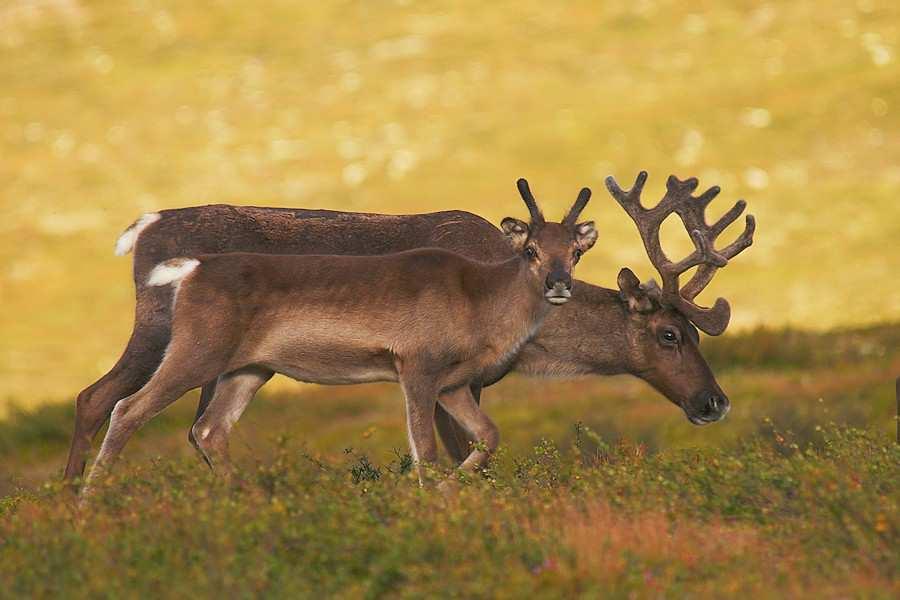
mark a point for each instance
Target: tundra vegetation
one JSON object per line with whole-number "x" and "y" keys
{"x": 600, "y": 487}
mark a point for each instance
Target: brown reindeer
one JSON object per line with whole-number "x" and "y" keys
{"x": 661, "y": 318}
{"x": 434, "y": 321}
{"x": 598, "y": 332}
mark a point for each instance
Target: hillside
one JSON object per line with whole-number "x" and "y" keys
{"x": 110, "y": 109}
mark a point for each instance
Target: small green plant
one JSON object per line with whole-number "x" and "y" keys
{"x": 363, "y": 470}
{"x": 405, "y": 462}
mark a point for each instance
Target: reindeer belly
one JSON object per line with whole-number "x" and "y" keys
{"x": 317, "y": 356}
{"x": 333, "y": 374}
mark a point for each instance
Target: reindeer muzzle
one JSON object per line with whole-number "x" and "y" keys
{"x": 707, "y": 407}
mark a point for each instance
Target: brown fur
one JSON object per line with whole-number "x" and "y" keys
{"x": 595, "y": 333}
{"x": 435, "y": 321}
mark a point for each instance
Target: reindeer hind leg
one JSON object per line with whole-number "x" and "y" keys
{"x": 141, "y": 357}
{"x": 457, "y": 441}
{"x": 206, "y": 395}
{"x": 180, "y": 371}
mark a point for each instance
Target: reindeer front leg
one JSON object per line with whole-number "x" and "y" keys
{"x": 457, "y": 440}
{"x": 421, "y": 398}
{"x": 463, "y": 407}
{"x": 232, "y": 392}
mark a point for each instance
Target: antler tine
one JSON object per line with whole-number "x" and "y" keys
{"x": 744, "y": 241}
{"x": 525, "y": 191}
{"x": 680, "y": 188}
{"x": 728, "y": 218}
{"x": 630, "y": 200}
{"x": 706, "y": 197}
{"x": 704, "y": 254}
{"x": 583, "y": 196}
{"x": 647, "y": 220}
{"x": 706, "y": 272}
{"x": 711, "y": 321}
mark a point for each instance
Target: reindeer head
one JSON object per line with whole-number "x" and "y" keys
{"x": 663, "y": 321}
{"x": 551, "y": 249}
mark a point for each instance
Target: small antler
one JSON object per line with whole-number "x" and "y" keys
{"x": 583, "y": 196}
{"x": 692, "y": 210}
{"x": 536, "y": 214}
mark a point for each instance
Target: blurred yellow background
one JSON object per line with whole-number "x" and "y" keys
{"x": 111, "y": 109}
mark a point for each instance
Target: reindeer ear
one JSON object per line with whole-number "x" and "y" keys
{"x": 516, "y": 232}
{"x": 633, "y": 293}
{"x": 585, "y": 236}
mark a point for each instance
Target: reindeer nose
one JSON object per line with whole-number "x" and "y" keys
{"x": 707, "y": 407}
{"x": 558, "y": 279}
{"x": 716, "y": 406}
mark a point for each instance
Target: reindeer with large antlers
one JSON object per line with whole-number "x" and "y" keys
{"x": 434, "y": 321}
{"x": 669, "y": 311}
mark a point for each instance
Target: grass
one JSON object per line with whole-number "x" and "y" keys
{"x": 601, "y": 488}
{"x": 766, "y": 518}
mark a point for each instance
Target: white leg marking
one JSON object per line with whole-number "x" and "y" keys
{"x": 412, "y": 441}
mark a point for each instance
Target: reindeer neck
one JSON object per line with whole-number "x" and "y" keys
{"x": 516, "y": 291}
{"x": 588, "y": 335}
{"x": 511, "y": 311}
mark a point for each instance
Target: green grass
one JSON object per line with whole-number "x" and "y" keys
{"x": 601, "y": 488}
{"x": 766, "y": 518}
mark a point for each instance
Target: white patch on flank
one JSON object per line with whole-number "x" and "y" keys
{"x": 172, "y": 271}
{"x": 127, "y": 240}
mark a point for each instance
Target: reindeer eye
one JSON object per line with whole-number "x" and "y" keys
{"x": 668, "y": 337}
{"x": 530, "y": 253}
{"x": 577, "y": 254}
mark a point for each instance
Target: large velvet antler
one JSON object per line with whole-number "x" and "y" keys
{"x": 692, "y": 210}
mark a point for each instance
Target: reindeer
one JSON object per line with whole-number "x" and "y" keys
{"x": 659, "y": 330}
{"x": 599, "y": 331}
{"x": 432, "y": 320}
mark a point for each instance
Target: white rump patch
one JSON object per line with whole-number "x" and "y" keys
{"x": 172, "y": 271}
{"x": 127, "y": 240}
